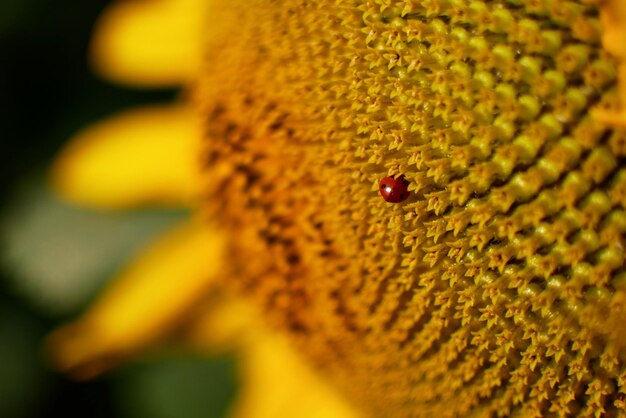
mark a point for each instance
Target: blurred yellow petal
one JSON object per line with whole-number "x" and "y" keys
{"x": 146, "y": 301}
{"x": 221, "y": 323}
{"x": 613, "y": 18}
{"x": 276, "y": 381}
{"x": 150, "y": 43}
{"x": 143, "y": 156}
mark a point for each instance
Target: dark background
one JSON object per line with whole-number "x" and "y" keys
{"x": 47, "y": 92}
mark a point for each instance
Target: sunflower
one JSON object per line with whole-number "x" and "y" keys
{"x": 497, "y": 288}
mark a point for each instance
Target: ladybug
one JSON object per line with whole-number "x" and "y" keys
{"x": 394, "y": 190}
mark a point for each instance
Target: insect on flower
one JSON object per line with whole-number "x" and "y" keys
{"x": 394, "y": 190}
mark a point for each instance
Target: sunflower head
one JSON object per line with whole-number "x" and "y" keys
{"x": 497, "y": 287}
{"x": 499, "y": 284}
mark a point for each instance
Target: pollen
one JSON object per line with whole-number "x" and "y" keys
{"x": 497, "y": 288}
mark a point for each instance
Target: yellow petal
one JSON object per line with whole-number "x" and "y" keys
{"x": 278, "y": 383}
{"x": 144, "y": 156}
{"x": 275, "y": 381}
{"x": 151, "y": 43}
{"x": 146, "y": 301}
{"x": 613, "y": 19}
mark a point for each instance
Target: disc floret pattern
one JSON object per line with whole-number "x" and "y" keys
{"x": 498, "y": 287}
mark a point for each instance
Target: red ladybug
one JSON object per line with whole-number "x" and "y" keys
{"x": 394, "y": 190}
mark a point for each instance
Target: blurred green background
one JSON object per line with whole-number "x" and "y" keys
{"x": 55, "y": 257}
